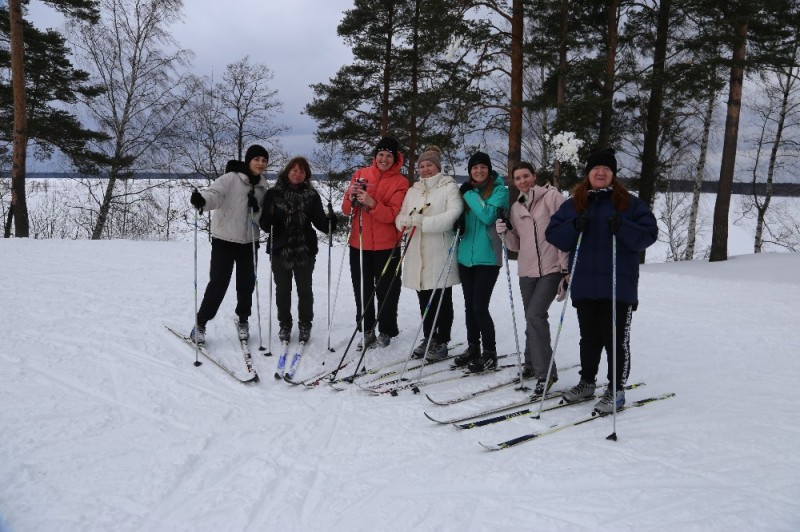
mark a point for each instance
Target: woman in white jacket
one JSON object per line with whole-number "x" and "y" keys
{"x": 541, "y": 266}
{"x": 235, "y": 196}
{"x": 436, "y": 205}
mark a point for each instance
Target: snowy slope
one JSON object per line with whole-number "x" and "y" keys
{"x": 107, "y": 425}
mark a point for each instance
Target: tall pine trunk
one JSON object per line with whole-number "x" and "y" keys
{"x": 387, "y": 75}
{"x": 413, "y": 134}
{"x": 561, "y": 83}
{"x": 719, "y": 238}
{"x": 607, "y": 104}
{"x": 515, "y": 121}
{"x": 647, "y": 183}
{"x": 19, "y": 205}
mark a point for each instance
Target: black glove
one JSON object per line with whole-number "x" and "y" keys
{"x": 465, "y": 187}
{"x": 581, "y": 223}
{"x": 197, "y": 200}
{"x": 614, "y": 223}
{"x": 460, "y": 225}
{"x": 252, "y": 202}
{"x": 501, "y": 214}
{"x": 333, "y": 220}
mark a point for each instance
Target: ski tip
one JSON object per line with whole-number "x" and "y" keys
{"x": 278, "y": 376}
{"x": 490, "y": 447}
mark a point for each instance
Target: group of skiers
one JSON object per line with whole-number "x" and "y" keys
{"x": 453, "y": 235}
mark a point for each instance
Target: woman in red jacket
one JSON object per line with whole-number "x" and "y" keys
{"x": 373, "y": 201}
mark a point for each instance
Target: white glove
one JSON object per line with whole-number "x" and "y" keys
{"x": 416, "y": 219}
{"x": 404, "y": 220}
{"x": 500, "y": 226}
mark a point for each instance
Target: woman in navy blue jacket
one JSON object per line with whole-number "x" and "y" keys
{"x": 599, "y": 208}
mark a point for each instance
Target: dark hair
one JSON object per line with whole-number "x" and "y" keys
{"x": 620, "y": 197}
{"x": 302, "y": 162}
{"x": 523, "y": 164}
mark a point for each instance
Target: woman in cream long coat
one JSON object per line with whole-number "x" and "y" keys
{"x": 432, "y": 205}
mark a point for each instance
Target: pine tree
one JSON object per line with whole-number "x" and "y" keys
{"x": 51, "y": 81}
{"x": 412, "y": 77}
{"x": 78, "y": 9}
{"x": 755, "y": 33}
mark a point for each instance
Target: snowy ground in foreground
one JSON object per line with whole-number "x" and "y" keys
{"x": 107, "y": 425}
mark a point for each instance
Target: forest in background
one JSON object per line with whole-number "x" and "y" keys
{"x": 661, "y": 82}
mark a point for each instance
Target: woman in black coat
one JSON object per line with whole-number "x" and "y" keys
{"x": 291, "y": 207}
{"x": 600, "y": 207}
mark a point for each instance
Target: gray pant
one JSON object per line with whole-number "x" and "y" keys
{"x": 537, "y": 295}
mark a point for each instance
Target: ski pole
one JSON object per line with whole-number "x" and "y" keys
{"x": 363, "y": 280}
{"x": 522, "y": 386}
{"x": 336, "y": 292}
{"x": 388, "y": 290}
{"x": 445, "y": 267}
{"x": 196, "y": 321}
{"x": 613, "y": 435}
{"x": 560, "y": 323}
{"x": 269, "y": 313}
{"x": 438, "y": 306}
{"x": 330, "y": 245}
{"x": 372, "y": 297}
{"x": 253, "y": 227}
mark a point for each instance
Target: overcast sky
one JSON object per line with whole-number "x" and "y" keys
{"x": 296, "y": 39}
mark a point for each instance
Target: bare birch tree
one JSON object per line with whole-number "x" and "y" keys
{"x": 137, "y": 61}
{"x": 778, "y": 113}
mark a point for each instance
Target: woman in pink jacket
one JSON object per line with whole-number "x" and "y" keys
{"x": 541, "y": 266}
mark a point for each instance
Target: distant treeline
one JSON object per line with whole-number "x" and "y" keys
{"x": 675, "y": 185}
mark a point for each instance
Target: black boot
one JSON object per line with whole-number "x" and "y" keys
{"x": 486, "y": 362}
{"x": 305, "y": 331}
{"x": 472, "y": 354}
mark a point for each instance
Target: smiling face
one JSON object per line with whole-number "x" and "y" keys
{"x": 427, "y": 169}
{"x": 600, "y": 176}
{"x": 479, "y": 173}
{"x": 524, "y": 179}
{"x": 384, "y": 160}
{"x": 296, "y": 175}
{"x": 257, "y": 165}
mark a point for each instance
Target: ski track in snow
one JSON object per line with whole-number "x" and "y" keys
{"x": 107, "y": 425}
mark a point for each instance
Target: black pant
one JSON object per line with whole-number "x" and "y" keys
{"x": 374, "y": 262}
{"x": 303, "y": 276}
{"x": 444, "y": 323}
{"x": 596, "y": 328}
{"x": 224, "y": 255}
{"x": 478, "y": 283}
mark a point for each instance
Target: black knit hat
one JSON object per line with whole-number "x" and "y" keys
{"x": 255, "y": 151}
{"x": 601, "y": 158}
{"x": 389, "y": 144}
{"x": 479, "y": 158}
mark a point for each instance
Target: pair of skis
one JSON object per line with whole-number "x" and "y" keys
{"x": 473, "y": 420}
{"x": 580, "y": 421}
{"x": 280, "y": 370}
{"x": 385, "y": 370}
{"x": 250, "y": 376}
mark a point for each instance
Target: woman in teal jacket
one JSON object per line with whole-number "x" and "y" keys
{"x": 479, "y": 259}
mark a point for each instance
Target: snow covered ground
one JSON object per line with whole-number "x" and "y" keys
{"x": 107, "y": 425}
